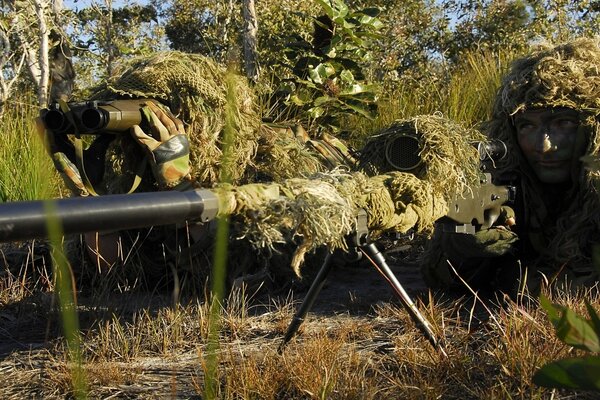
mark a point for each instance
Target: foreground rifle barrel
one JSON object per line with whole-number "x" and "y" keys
{"x": 29, "y": 219}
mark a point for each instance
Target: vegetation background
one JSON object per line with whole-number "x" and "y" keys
{"x": 415, "y": 57}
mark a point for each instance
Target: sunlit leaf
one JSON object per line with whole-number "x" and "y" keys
{"x": 326, "y": 7}
{"x": 346, "y": 76}
{"x": 571, "y": 328}
{"x": 316, "y": 112}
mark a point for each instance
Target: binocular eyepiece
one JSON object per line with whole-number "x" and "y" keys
{"x": 94, "y": 117}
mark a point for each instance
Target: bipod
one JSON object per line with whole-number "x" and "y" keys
{"x": 360, "y": 240}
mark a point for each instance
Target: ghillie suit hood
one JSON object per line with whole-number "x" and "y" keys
{"x": 204, "y": 95}
{"x": 566, "y": 75}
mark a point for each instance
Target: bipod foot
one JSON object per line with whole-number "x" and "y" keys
{"x": 378, "y": 261}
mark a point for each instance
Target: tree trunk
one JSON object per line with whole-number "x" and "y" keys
{"x": 11, "y": 67}
{"x": 41, "y": 11}
{"x": 250, "y": 30}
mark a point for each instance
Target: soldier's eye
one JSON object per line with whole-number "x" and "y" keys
{"x": 567, "y": 123}
{"x": 524, "y": 127}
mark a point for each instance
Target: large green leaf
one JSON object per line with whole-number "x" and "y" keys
{"x": 574, "y": 373}
{"x": 571, "y": 328}
{"x": 358, "y": 108}
{"x": 347, "y": 77}
{"x": 340, "y": 10}
{"x": 370, "y": 21}
{"x": 327, "y": 7}
{"x": 357, "y": 88}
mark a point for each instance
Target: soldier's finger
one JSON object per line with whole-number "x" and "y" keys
{"x": 142, "y": 138}
{"x": 157, "y": 128}
{"x": 168, "y": 120}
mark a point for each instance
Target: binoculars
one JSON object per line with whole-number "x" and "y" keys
{"x": 94, "y": 117}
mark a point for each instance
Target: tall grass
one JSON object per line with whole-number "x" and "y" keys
{"x": 464, "y": 94}
{"x": 26, "y": 171}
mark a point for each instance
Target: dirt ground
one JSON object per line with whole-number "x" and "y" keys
{"x": 28, "y": 331}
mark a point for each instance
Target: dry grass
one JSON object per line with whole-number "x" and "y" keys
{"x": 137, "y": 347}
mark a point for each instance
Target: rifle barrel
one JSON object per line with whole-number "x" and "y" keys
{"x": 28, "y": 219}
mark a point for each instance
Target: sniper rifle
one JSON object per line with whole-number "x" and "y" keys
{"x": 27, "y": 220}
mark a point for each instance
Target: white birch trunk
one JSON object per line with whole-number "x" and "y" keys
{"x": 41, "y": 10}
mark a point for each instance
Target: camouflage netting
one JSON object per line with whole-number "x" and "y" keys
{"x": 567, "y": 75}
{"x": 280, "y": 156}
{"x": 322, "y": 210}
{"x": 448, "y": 160}
{"x": 307, "y": 205}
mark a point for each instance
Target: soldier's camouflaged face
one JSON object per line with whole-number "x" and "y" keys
{"x": 566, "y": 76}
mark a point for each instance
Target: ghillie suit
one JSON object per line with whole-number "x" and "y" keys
{"x": 443, "y": 157}
{"x": 204, "y": 95}
{"x": 313, "y": 196}
{"x": 198, "y": 90}
{"x": 322, "y": 209}
{"x": 550, "y": 242}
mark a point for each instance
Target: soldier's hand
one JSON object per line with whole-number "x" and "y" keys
{"x": 496, "y": 241}
{"x": 167, "y": 146}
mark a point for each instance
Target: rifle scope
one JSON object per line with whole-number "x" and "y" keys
{"x": 403, "y": 152}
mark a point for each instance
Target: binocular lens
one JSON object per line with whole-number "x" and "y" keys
{"x": 92, "y": 119}
{"x": 54, "y": 120}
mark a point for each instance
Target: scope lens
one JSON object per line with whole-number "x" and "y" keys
{"x": 402, "y": 153}
{"x": 92, "y": 119}
{"x": 494, "y": 150}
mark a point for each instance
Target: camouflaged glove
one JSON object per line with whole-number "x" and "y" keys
{"x": 167, "y": 146}
{"x": 493, "y": 242}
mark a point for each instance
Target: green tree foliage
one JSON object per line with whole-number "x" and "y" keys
{"x": 414, "y": 35}
{"x": 492, "y": 26}
{"x": 207, "y": 27}
{"x": 214, "y": 28}
{"x": 103, "y": 35}
{"x": 326, "y": 79}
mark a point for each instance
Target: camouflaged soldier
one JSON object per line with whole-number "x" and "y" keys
{"x": 181, "y": 140}
{"x": 547, "y": 112}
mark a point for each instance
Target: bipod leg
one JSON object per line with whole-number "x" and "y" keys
{"x": 307, "y": 303}
{"x": 375, "y": 256}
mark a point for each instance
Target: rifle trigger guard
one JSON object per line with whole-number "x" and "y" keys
{"x": 360, "y": 236}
